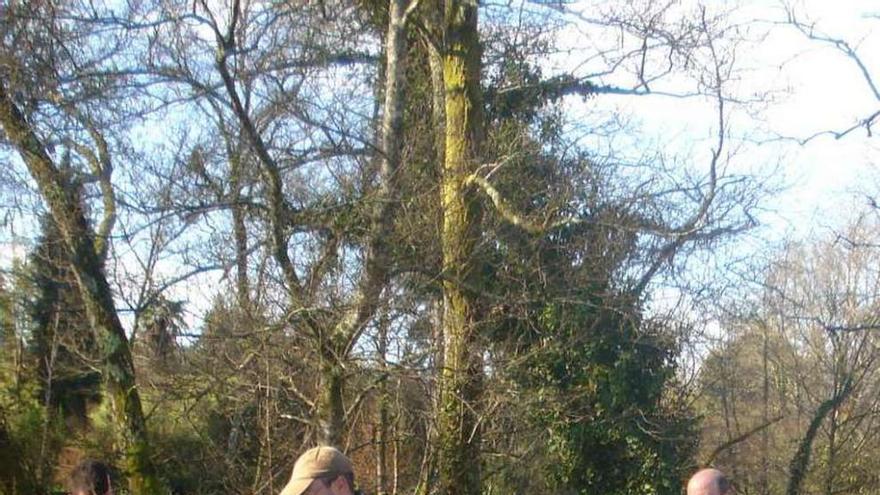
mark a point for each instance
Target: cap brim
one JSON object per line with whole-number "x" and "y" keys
{"x": 297, "y": 486}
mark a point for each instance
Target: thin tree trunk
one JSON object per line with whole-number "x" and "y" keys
{"x": 725, "y": 398}
{"x": 118, "y": 372}
{"x": 395, "y": 477}
{"x": 377, "y": 257}
{"x": 241, "y": 247}
{"x": 47, "y": 404}
{"x": 765, "y": 435}
{"x": 382, "y": 420}
{"x": 461, "y": 375}
{"x": 831, "y": 464}
{"x": 239, "y": 231}
{"x": 428, "y": 467}
{"x": 267, "y": 426}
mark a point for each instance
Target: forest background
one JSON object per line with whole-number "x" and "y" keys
{"x": 507, "y": 247}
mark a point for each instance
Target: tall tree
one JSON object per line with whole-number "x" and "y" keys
{"x": 87, "y": 265}
{"x": 461, "y": 377}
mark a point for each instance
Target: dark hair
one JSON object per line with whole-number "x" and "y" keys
{"x": 328, "y": 480}
{"x": 91, "y": 477}
{"x": 724, "y": 485}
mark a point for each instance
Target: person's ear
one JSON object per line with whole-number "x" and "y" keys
{"x": 313, "y": 487}
{"x": 340, "y": 484}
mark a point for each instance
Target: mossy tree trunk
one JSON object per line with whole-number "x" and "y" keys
{"x": 797, "y": 470}
{"x": 87, "y": 265}
{"x": 330, "y": 413}
{"x": 461, "y": 375}
{"x": 383, "y": 415}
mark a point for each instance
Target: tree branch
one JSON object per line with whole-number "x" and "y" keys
{"x": 739, "y": 439}
{"x": 276, "y": 203}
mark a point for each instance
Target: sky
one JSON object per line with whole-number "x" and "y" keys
{"x": 801, "y": 87}
{"x": 827, "y": 92}
{"x": 806, "y": 87}
{"x": 813, "y": 87}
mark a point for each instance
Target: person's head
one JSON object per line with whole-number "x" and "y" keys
{"x": 709, "y": 482}
{"x": 321, "y": 471}
{"x": 91, "y": 477}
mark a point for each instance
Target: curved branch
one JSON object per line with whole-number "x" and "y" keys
{"x": 503, "y": 208}
{"x": 739, "y": 439}
{"x": 102, "y": 170}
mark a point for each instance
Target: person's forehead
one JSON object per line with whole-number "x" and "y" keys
{"x": 705, "y": 483}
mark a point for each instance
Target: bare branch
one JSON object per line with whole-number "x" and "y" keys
{"x": 841, "y": 45}
{"x": 277, "y": 205}
{"x": 739, "y": 439}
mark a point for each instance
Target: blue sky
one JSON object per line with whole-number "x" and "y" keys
{"x": 803, "y": 86}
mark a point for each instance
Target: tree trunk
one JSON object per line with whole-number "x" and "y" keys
{"x": 331, "y": 408}
{"x": 239, "y": 231}
{"x": 377, "y": 256}
{"x": 461, "y": 375}
{"x": 118, "y": 367}
{"x": 9, "y": 344}
{"x": 765, "y": 397}
{"x": 382, "y": 421}
{"x": 801, "y": 460}
{"x": 831, "y": 462}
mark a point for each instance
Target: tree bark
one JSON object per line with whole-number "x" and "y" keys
{"x": 382, "y": 420}
{"x": 118, "y": 367}
{"x": 461, "y": 374}
{"x": 331, "y": 407}
{"x": 765, "y": 399}
{"x": 239, "y": 230}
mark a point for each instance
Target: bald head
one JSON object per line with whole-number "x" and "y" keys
{"x": 709, "y": 482}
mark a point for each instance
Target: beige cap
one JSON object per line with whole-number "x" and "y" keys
{"x": 318, "y": 462}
